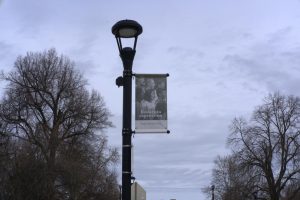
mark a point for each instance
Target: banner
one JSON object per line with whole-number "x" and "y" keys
{"x": 151, "y": 103}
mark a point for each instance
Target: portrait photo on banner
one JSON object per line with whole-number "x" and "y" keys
{"x": 151, "y": 102}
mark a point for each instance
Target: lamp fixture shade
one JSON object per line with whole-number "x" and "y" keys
{"x": 127, "y": 29}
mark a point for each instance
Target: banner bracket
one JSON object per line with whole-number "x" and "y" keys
{"x": 151, "y": 132}
{"x": 151, "y": 75}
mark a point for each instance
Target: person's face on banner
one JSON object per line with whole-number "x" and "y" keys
{"x": 150, "y": 84}
{"x": 150, "y": 95}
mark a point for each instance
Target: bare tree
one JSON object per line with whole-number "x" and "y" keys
{"x": 47, "y": 106}
{"x": 291, "y": 188}
{"x": 232, "y": 179}
{"x": 270, "y": 142}
{"x": 85, "y": 170}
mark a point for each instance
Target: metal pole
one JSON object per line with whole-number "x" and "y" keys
{"x": 127, "y": 56}
{"x": 213, "y": 192}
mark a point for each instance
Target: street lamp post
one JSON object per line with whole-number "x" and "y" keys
{"x": 126, "y": 29}
{"x": 213, "y": 192}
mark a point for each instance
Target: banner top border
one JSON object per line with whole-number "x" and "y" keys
{"x": 149, "y": 75}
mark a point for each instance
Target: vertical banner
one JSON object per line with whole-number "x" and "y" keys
{"x": 151, "y": 103}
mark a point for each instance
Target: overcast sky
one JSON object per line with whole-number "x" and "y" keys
{"x": 223, "y": 57}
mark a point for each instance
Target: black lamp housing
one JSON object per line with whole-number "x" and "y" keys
{"x": 126, "y": 29}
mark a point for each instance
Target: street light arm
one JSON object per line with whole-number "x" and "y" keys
{"x": 119, "y": 43}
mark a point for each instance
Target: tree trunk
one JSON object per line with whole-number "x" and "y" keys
{"x": 51, "y": 176}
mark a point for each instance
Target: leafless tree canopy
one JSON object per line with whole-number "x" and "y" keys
{"x": 266, "y": 151}
{"x": 51, "y": 118}
{"x": 232, "y": 180}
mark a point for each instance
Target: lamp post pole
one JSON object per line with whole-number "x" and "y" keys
{"x": 127, "y": 56}
{"x": 126, "y": 29}
{"x": 213, "y": 192}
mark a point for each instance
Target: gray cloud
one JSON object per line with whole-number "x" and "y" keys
{"x": 7, "y": 55}
{"x": 270, "y": 63}
{"x": 5, "y": 49}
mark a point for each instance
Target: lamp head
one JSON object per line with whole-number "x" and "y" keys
{"x": 126, "y": 29}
